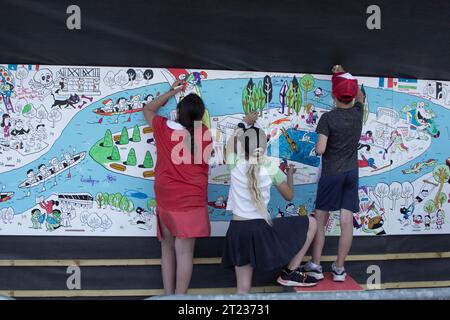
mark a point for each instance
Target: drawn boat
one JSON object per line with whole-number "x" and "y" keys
{"x": 214, "y": 205}
{"x": 101, "y": 112}
{"x": 77, "y": 158}
{"x": 5, "y": 196}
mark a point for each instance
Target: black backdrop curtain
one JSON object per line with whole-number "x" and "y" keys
{"x": 281, "y": 35}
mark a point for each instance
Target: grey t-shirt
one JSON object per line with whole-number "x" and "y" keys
{"x": 343, "y": 129}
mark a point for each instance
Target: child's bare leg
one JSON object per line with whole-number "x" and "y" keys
{"x": 297, "y": 260}
{"x": 319, "y": 240}
{"x": 345, "y": 240}
{"x": 244, "y": 278}
{"x": 168, "y": 262}
{"x": 184, "y": 250}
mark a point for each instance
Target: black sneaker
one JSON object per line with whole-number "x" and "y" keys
{"x": 295, "y": 279}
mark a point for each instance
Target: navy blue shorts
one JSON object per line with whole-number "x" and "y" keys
{"x": 339, "y": 191}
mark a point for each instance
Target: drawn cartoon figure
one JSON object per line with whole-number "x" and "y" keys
{"x": 427, "y": 222}
{"x": 290, "y": 210}
{"x": 55, "y": 165}
{"x": 149, "y": 98}
{"x": 421, "y": 121}
{"x": 44, "y": 173}
{"x": 31, "y": 177}
{"x": 19, "y": 133}
{"x": 67, "y": 160}
{"x": 318, "y": 93}
{"x": 121, "y": 105}
{"x": 6, "y": 125}
{"x": 417, "y": 219}
{"x": 135, "y": 102}
{"x": 397, "y": 142}
{"x": 439, "y": 219}
{"x": 311, "y": 113}
{"x": 364, "y": 163}
{"x": 373, "y": 221}
{"x": 407, "y": 214}
{"x": 37, "y": 218}
{"x": 107, "y": 105}
{"x": 53, "y": 220}
{"x": 280, "y": 213}
{"x": 367, "y": 137}
{"x": 43, "y": 83}
{"x": 41, "y": 132}
{"x": 68, "y": 213}
{"x": 48, "y": 205}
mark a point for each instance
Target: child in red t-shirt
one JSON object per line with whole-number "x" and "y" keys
{"x": 181, "y": 184}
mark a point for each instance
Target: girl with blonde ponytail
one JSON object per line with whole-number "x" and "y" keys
{"x": 254, "y": 239}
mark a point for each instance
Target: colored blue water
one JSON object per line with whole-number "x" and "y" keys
{"x": 305, "y": 143}
{"x": 222, "y": 97}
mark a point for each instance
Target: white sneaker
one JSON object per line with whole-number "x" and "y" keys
{"x": 313, "y": 270}
{"x": 339, "y": 274}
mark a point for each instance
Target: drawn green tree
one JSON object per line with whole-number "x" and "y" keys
{"x": 290, "y": 98}
{"x": 123, "y": 205}
{"x": 99, "y": 199}
{"x": 429, "y": 207}
{"x": 261, "y": 98}
{"x": 441, "y": 173}
{"x": 115, "y": 154}
{"x": 148, "y": 160}
{"x": 245, "y": 100}
{"x": 254, "y": 100}
{"x": 124, "y": 139}
{"x": 136, "y": 134}
{"x": 106, "y": 199}
{"x": 151, "y": 203}
{"x": 107, "y": 139}
{"x": 131, "y": 158}
{"x": 307, "y": 84}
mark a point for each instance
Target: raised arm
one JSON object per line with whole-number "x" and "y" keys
{"x": 360, "y": 97}
{"x": 249, "y": 119}
{"x": 286, "y": 189}
{"x": 151, "y": 108}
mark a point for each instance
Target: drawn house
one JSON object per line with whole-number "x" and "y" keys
{"x": 80, "y": 80}
{"x": 82, "y": 200}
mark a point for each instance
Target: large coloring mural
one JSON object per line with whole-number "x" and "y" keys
{"x": 77, "y": 158}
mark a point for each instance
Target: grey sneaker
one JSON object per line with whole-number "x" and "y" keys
{"x": 339, "y": 274}
{"x": 312, "y": 271}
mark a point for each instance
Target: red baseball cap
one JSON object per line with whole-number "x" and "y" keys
{"x": 344, "y": 86}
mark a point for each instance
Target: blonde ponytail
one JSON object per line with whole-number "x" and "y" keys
{"x": 254, "y": 166}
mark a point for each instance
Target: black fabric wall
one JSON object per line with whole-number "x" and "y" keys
{"x": 276, "y": 35}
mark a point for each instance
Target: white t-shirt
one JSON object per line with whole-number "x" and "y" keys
{"x": 239, "y": 198}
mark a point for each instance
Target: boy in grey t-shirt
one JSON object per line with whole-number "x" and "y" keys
{"x": 339, "y": 132}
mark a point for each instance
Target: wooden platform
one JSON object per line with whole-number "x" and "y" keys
{"x": 327, "y": 284}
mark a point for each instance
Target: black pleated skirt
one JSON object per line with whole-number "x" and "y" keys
{"x": 263, "y": 246}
